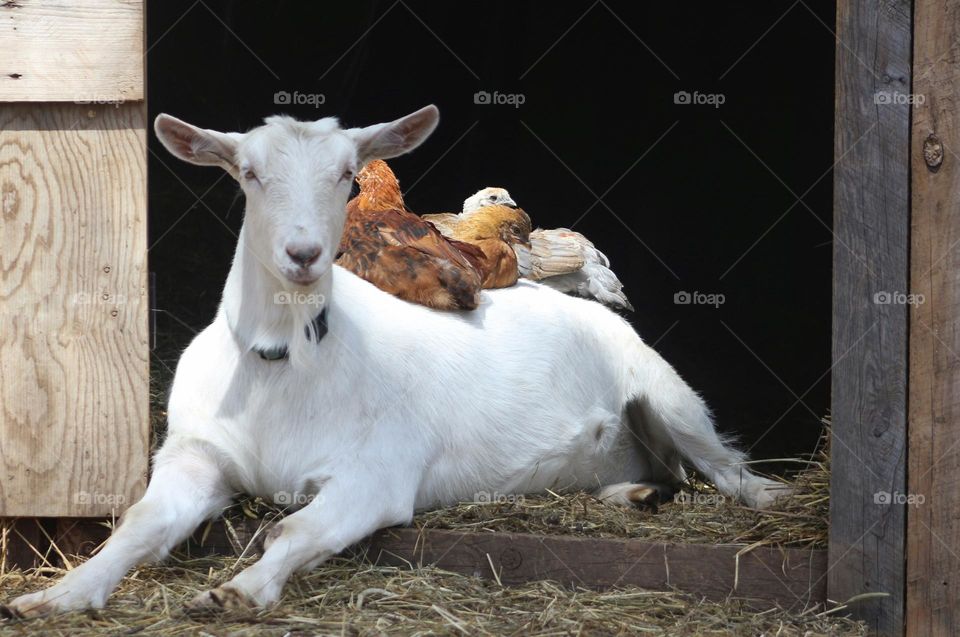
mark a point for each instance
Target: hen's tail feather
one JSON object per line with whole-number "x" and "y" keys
{"x": 569, "y": 262}
{"x": 554, "y": 252}
{"x": 594, "y": 281}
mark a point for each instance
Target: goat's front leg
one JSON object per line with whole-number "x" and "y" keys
{"x": 186, "y": 488}
{"x": 340, "y": 515}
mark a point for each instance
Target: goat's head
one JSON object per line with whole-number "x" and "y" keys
{"x": 296, "y": 177}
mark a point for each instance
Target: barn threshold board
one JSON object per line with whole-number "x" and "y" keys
{"x": 764, "y": 576}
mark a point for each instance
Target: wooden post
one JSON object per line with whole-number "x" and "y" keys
{"x": 871, "y": 248}
{"x": 933, "y": 528}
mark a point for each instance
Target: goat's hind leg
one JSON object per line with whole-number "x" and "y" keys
{"x": 659, "y": 470}
{"x": 186, "y": 488}
{"x": 678, "y": 424}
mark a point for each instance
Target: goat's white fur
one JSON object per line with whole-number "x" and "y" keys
{"x": 399, "y": 407}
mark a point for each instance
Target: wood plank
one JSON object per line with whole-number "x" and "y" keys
{"x": 933, "y": 527}
{"x": 764, "y": 577}
{"x": 63, "y": 50}
{"x": 871, "y": 243}
{"x": 790, "y": 578}
{"x": 73, "y": 309}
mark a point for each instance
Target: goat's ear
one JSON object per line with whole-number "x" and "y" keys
{"x": 199, "y": 146}
{"x": 383, "y": 141}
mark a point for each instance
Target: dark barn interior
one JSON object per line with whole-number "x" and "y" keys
{"x": 730, "y": 199}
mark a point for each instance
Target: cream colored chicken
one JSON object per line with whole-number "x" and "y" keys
{"x": 561, "y": 258}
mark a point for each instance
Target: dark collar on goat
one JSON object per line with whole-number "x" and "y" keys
{"x": 280, "y": 352}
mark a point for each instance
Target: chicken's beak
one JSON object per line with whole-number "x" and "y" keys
{"x": 509, "y": 203}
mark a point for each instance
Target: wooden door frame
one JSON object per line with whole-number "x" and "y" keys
{"x": 896, "y": 449}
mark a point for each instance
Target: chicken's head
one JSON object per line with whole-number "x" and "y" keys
{"x": 488, "y": 197}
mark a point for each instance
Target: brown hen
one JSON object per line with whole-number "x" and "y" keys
{"x": 401, "y": 253}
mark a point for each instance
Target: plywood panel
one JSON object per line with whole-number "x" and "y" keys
{"x": 74, "y": 429}
{"x": 871, "y": 248}
{"x": 933, "y": 522}
{"x": 71, "y": 50}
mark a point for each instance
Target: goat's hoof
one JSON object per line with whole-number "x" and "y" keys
{"x": 9, "y": 611}
{"x": 222, "y": 598}
{"x": 644, "y": 495}
{"x": 770, "y": 494}
{"x": 29, "y": 607}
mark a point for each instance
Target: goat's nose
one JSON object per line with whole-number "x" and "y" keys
{"x": 304, "y": 254}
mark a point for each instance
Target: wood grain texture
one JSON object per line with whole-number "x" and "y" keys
{"x": 64, "y": 50}
{"x": 933, "y": 527}
{"x": 871, "y": 247}
{"x": 74, "y": 427}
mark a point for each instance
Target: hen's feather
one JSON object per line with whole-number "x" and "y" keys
{"x": 569, "y": 262}
{"x": 499, "y": 267}
{"x": 551, "y": 252}
{"x": 445, "y": 222}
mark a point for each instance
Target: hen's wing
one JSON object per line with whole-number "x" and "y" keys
{"x": 445, "y": 222}
{"x": 499, "y": 267}
{"x": 407, "y": 257}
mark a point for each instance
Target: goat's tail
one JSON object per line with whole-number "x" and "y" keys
{"x": 671, "y": 422}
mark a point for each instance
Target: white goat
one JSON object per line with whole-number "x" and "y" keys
{"x": 381, "y": 406}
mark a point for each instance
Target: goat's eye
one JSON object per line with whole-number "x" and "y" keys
{"x": 249, "y": 175}
{"x": 347, "y": 175}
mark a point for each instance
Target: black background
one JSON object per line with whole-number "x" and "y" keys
{"x": 694, "y": 198}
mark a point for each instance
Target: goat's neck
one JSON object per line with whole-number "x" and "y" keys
{"x": 251, "y": 300}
